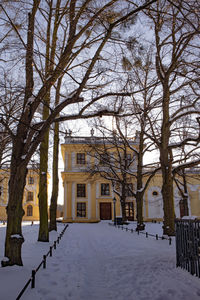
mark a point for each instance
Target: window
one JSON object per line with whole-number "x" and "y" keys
{"x": 105, "y": 189}
{"x": 155, "y": 193}
{"x": 30, "y": 180}
{"x": 81, "y": 210}
{"x": 29, "y": 211}
{"x": 80, "y": 158}
{"x": 30, "y": 196}
{"x": 129, "y": 189}
{"x": 129, "y": 208}
{"x": 128, "y": 158}
{"x": 81, "y": 190}
{"x": 104, "y": 159}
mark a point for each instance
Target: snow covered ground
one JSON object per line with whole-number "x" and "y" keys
{"x": 99, "y": 262}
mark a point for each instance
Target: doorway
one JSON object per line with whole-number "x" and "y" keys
{"x": 105, "y": 211}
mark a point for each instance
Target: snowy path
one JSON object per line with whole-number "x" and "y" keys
{"x": 99, "y": 262}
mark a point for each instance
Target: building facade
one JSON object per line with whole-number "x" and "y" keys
{"x": 89, "y": 198}
{"x": 30, "y": 199}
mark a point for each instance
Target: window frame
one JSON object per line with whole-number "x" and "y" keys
{"x": 81, "y": 190}
{"x": 129, "y": 209}
{"x": 104, "y": 159}
{"x": 30, "y": 196}
{"x": 29, "y": 211}
{"x": 81, "y": 210}
{"x": 80, "y": 158}
{"x": 128, "y": 158}
{"x": 105, "y": 189}
{"x": 128, "y": 192}
{"x": 30, "y": 180}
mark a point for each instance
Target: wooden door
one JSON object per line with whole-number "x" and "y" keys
{"x": 105, "y": 211}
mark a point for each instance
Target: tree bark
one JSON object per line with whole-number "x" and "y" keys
{"x": 168, "y": 199}
{"x": 43, "y": 195}
{"x": 123, "y": 207}
{"x": 15, "y": 212}
{"x": 139, "y": 204}
{"x": 166, "y": 166}
{"x": 44, "y": 146}
{"x": 54, "y": 196}
{"x": 140, "y": 193}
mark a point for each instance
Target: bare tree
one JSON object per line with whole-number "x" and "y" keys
{"x": 119, "y": 159}
{"x": 29, "y": 133}
{"x": 176, "y": 67}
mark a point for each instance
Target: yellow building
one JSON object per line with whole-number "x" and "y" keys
{"x": 30, "y": 199}
{"x": 153, "y": 204}
{"x": 90, "y": 198}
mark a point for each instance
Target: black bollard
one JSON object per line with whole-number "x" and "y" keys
{"x": 44, "y": 261}
{"x": 33, "y": 279}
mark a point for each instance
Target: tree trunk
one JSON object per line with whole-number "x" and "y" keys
{"x": 139, "y": 203}
{"x": 166, "y": 164}
{"x": 43, "y": 195}
{"x": 168, "y": 201}
{"x": 15, "y": 212}
{"x": 54, "y": 196}
{"x": 44, "y": 146}
{"x": 123, "y": 207}
{"x": 140, "y": 193}
{"x": 167, "y": 179}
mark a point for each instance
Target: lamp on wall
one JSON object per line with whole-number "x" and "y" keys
{"x": 92, "y": 132}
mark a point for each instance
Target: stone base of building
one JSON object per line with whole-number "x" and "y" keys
{"x": 69, "y": 220}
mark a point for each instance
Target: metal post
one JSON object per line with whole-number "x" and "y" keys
{"x": 33, "y": 279}
{"x": 44, "y": 261}
{"x": 114, "y": 207}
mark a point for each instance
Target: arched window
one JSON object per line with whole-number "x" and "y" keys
{"x": 29, "y": 210}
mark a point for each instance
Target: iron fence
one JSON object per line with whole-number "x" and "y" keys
{"x": 142, "y": 232}
{"x": 43, "y": 263}
{"x": 188, "y": 245}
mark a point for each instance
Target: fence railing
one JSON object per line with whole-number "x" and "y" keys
{"x": 188, "y": 245}
{"x": 141, "y": 232}
{"x": 31, "y": 280}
